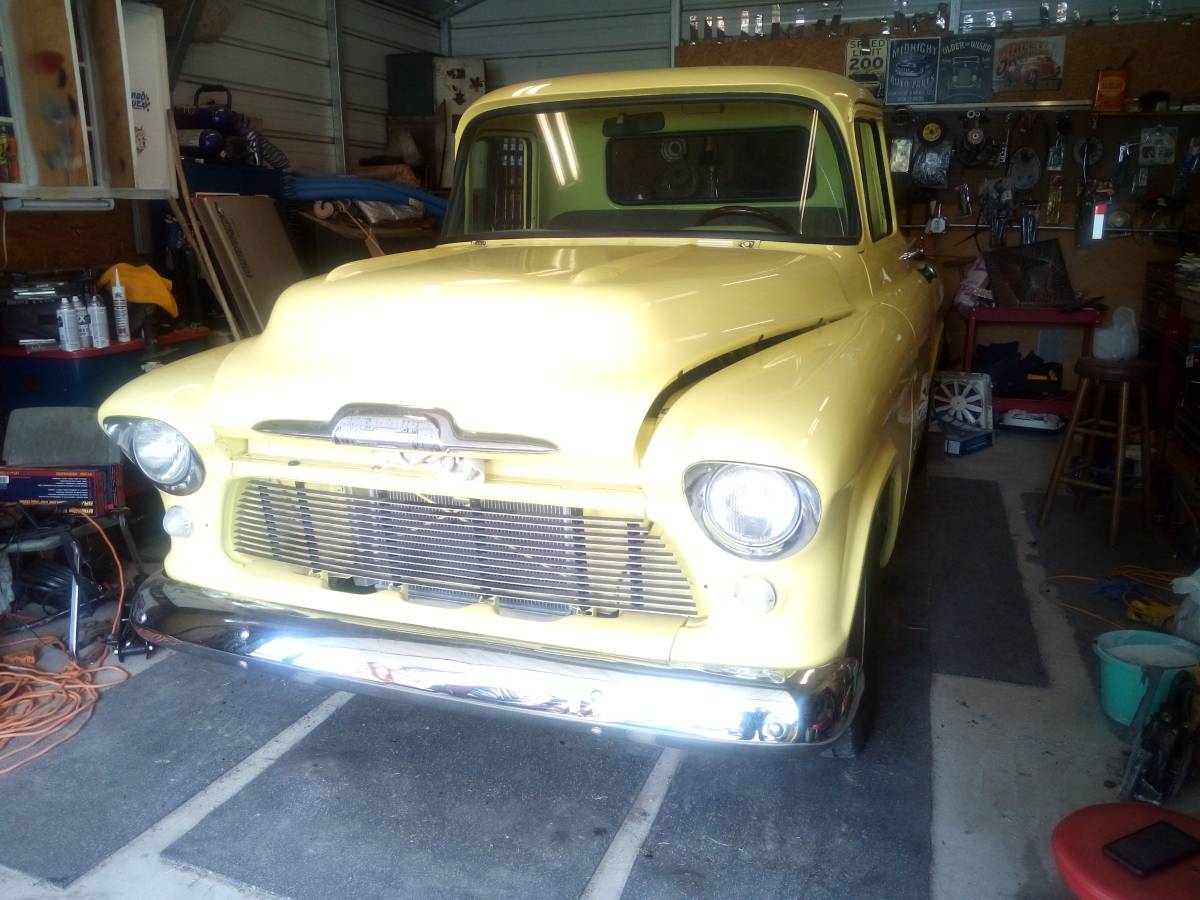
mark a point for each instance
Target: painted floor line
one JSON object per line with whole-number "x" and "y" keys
{"x": 609, "y": 879}
{"x": 139, "y": 860}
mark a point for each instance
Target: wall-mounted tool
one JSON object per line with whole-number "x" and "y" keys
{"x": 1058, "y": 150}
{"x": 996, "y": 196}
{"x": 1029, "y": 224}
{"x": 1088, "y": 152}
{"x": 932, "y": 131}
{"x": 965, "y": 206}
{"x": 1123, "y": 177}
{"x": 901, "y": 158}
{"x": 975, "y": 148}
{"x": 936, "y": 223}
{"x": 1025, "y": 169}
{"x": 1002, "y": 155}
{"x": 932, "y": 165}
{"x": 1054, "y": 200}
{"x": 1093, "y": 215}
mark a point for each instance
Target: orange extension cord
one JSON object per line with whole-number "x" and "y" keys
{"x": 40, "y": 710}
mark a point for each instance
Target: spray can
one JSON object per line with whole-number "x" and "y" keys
{"x": 120, "y": 310}
{"x": 85, "y": 327}
{"x": 68, "y": 327}
{"x": 98, "y": 320}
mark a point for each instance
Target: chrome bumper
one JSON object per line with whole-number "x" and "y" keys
{"x": 809, "y": 708}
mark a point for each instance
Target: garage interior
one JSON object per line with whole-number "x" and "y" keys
{"x": 176, "y": 165}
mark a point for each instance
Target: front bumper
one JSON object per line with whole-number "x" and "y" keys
{"x": 810, "y": 707}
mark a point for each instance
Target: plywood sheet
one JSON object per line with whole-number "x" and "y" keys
{"x": 49, "y": 91}
{"x": 255, "y": 255}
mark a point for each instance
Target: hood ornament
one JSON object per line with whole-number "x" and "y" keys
{"x": 403, "y": 428}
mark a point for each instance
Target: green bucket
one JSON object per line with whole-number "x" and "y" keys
{"x": 1124, "y": 656}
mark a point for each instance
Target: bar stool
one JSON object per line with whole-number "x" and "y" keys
{"x": 1099, "y": 374}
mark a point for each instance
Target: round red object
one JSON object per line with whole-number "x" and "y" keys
{"x": 1078, "y": 845}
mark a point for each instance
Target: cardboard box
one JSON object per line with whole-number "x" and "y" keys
{"x": 962, "y": 442}
{"x": 95, "y": 490}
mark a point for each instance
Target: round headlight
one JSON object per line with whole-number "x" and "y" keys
{"x": 755, "y": 507}
{"x": 753, "y": 511}
{"x": 162, "y": 453}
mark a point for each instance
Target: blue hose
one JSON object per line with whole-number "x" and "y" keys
{"x": 352, "y": 187}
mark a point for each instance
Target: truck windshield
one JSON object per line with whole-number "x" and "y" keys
{"x": 771, "y": 169}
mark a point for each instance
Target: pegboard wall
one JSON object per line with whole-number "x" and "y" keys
{"x": 1164, "y": 56}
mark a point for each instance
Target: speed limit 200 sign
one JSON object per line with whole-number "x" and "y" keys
{"x": 866, "y": 62}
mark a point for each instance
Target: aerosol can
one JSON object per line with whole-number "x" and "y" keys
{"x": 98, "y": 320}
{"x": 120, "y": 310}
{"x": 85, "y": 327}
{"x": 68, "y": 327}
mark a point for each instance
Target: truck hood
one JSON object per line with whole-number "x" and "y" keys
{"x": 564, "y": 343}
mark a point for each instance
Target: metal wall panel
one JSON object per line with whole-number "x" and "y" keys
{"x": 525, "y": 39}
{"x": 274, "y": 57}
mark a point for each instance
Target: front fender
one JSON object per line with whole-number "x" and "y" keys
{"x": 829, "y": 404}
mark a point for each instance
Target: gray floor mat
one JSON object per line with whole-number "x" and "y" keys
{"x": 737, "y": 826}
{"x": 153, "y": 743}
{"x": 980, "y": 623}
{"x": 389, "y": 799}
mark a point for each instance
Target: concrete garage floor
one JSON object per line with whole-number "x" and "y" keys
{"x": 200, "y": 781}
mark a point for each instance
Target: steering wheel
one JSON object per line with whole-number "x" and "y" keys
{"x": 776, "y": 222}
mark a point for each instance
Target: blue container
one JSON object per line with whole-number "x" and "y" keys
{"x": 1127, "y": 659}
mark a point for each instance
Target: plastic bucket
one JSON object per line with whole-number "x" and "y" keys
{"x": 1124, "y": 656}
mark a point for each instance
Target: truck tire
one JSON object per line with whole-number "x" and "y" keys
{"x": 864, "y": 644}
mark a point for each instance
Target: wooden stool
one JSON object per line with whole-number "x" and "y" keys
{"x": 1099, "y": 374}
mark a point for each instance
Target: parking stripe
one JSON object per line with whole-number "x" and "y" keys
{"x": 113, "y": 876}
{"x": 608, "y": 881}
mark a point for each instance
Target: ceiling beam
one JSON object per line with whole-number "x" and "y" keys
{"x": 455, "y": 7}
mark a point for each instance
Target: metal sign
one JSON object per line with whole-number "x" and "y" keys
{"x": 866, "y": 62}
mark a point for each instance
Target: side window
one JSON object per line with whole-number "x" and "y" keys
{"x": 870, "y": 157}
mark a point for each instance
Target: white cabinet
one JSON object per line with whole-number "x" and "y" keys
{"x": 87, "y": 100}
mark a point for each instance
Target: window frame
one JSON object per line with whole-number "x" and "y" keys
{"x": 827, "y": 118}
{"x": 881, "y": 173}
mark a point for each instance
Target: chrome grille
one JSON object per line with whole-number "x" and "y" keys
{"x": 523, "y": 555}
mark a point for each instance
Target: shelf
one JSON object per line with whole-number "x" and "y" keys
{"x": 1027, "y": 315}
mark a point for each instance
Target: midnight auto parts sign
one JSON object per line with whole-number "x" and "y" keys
{"x": 912, "y": 75}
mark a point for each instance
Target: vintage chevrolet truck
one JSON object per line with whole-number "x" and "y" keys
{"x": 625, "y": 449}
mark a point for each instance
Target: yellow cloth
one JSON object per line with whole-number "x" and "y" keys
{"x": 142, "y": 285}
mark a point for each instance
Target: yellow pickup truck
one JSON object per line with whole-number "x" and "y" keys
{"x": 623, "y": 450}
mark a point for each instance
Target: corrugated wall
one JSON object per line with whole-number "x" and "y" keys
{"x": 526, "y": 39}
{"x": 274, "y": 57}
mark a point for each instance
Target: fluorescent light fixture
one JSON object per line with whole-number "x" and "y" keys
{"x": 551, "y": 148}
{"x": 41, "y": 204}
{"x": 568, "y": 145}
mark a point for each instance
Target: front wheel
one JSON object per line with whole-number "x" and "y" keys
{"x": 863, "y": 645}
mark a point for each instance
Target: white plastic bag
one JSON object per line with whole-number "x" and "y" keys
{"x": 1187, "y": 620}
{"x": 1118, "y": 340}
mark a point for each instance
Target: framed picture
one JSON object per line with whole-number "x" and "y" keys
{"x": 1029, "y": 64}
{"x": 965, "y": 69}
{"x": 912, "y": 74}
